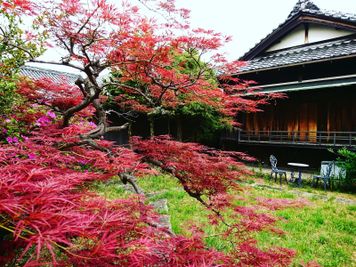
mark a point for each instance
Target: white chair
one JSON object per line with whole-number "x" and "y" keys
{"x": 325, "y": 174}
{"x": 277, "y": 171}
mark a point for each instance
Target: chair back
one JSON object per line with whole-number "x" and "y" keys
{"x": 273, "y": 161}
{"x": 326, "y": 168}
{"x": 338, "y": 172}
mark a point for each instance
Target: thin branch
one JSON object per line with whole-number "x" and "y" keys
{"x": 127, "y": 178}
{"x": 117, "y": 128}
{"x": 20, "y": 48}
{"x": 131, "y": 88}
{"x": 87, "y": 20}
{"x": 88, "y": 142}
{"x": 126, "y": 115}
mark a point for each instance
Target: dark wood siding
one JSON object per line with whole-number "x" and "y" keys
{"x": 307, "y": 111}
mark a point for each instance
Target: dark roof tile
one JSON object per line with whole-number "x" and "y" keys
{"x": 306, "y": 53}
{"x": 55, "y": 76}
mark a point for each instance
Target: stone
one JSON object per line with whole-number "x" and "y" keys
{"x": 165, "y": 222}
{"x": 161, "y": 205}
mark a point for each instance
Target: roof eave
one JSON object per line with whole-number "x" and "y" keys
{"x": 295, "y": 64}
{"x": 321, "y": 83}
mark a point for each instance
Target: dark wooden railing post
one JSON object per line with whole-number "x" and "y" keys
{"x": 318, "y": 137}
{"x": 350, "y": 139}
{"x": 334, "y": 138}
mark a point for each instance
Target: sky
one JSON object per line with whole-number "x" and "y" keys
{"x": 247, "y": 21}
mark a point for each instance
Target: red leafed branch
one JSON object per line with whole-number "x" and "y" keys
{"x": 249, "y": 255}
{"x": 204, "y": 173}
{"x": 46, "y": 209}
{"x": 277, "y": 204}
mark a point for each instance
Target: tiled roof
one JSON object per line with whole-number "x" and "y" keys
{"x": 303, "y": 5}
{"x": 303, "y": 54}
{"x": 55, "y": 76}
{"x": 307, "y": 7}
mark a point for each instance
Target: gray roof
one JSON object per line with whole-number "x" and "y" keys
{"x": 56, "y": 76}
{"x": 302, "y": 54}
{"x": 308, "y": 7}
{"x": 303, "y": 7}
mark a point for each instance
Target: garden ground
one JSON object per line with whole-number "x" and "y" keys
{"x": 323, "y": 230}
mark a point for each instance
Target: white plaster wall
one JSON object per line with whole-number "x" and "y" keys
{"x": 320, "y": 33}
{"x": 316, "y": 33}
{"x": 294, "y": 38}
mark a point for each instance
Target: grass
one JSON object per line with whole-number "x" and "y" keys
{"x": 324, "y": 231}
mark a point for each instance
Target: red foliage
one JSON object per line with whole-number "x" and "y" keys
{"x": 17, "y": 6}
{"x": 278, "y": 204}
{"x": 155, "y": 57}
{"x": 310, "y": 264}
{"x": 252, "y": 220}
{"x": 249, "y": 255}
{"x": 200, "y": 170}
{"x": 42, "y": 206}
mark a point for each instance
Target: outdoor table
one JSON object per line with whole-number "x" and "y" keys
{"x": 298, "y": 167}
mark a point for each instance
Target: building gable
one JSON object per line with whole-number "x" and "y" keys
{"x": 308, "y": 33}
{"x": 305, "y": 24}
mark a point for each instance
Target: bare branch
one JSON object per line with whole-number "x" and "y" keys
{"x": 127, "y": 178}
{"x": 88, "y": 142}
{"x": 131, "y": 88}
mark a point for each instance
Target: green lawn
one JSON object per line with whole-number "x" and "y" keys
{"x": 324, "y": 230}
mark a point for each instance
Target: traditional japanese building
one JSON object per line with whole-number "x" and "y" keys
{"x": 311, "y": 57}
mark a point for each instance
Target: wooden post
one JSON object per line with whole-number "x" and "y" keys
{"x": 334, "y": 138}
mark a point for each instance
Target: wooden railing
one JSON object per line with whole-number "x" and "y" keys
{"x": 319, "y": 138}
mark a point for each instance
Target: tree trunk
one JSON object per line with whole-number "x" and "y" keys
{"x": 129, "y": 131}
{"x": 179, "y": 128}
{"x": 169, "y": 126}
{"x": 129, "y": 135}
{"x": 152, "y": 126}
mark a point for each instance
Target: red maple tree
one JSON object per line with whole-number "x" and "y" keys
{"x": 46, "y": 212}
